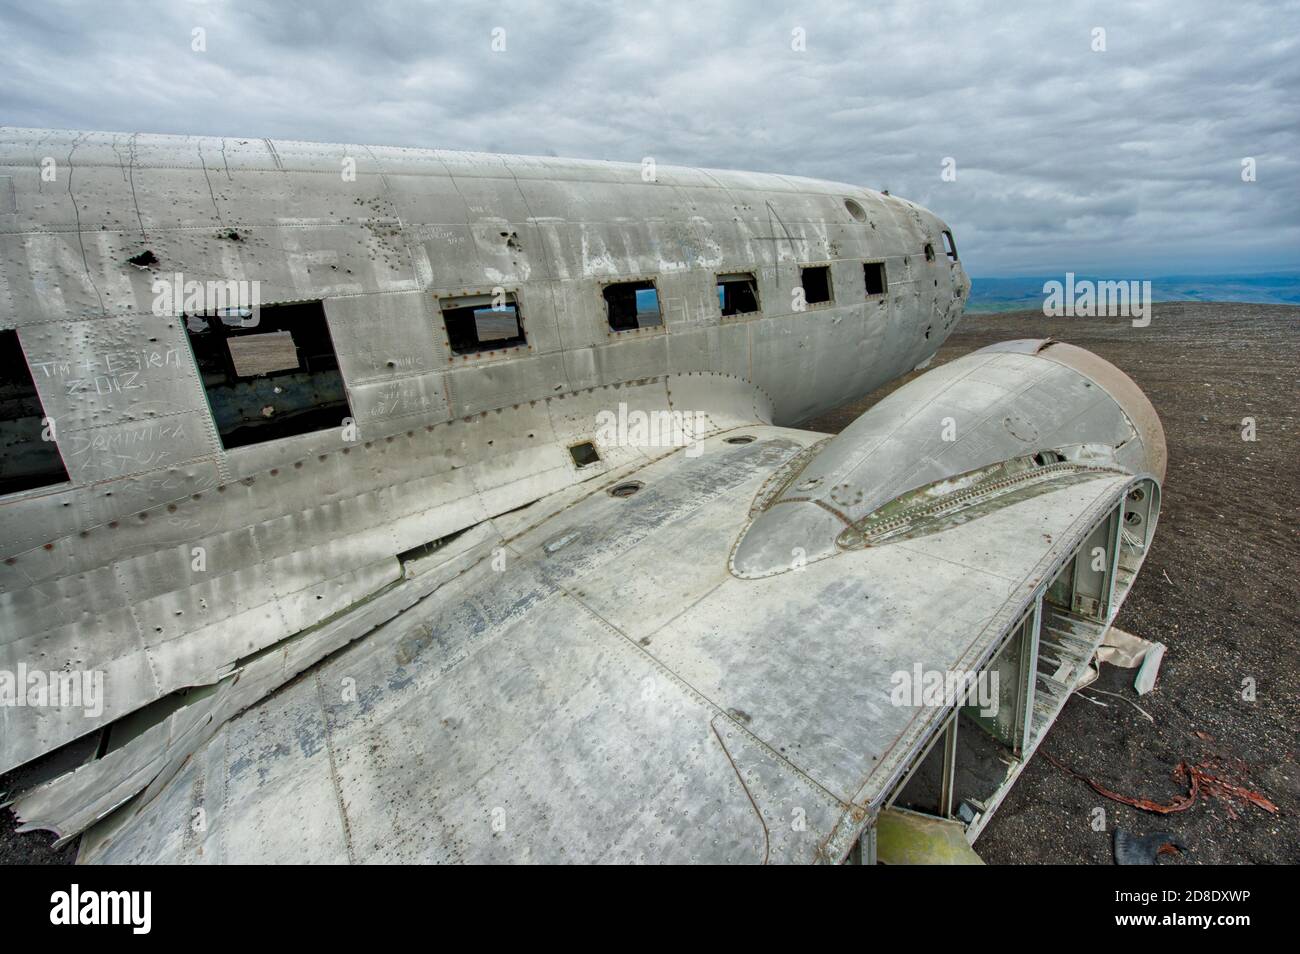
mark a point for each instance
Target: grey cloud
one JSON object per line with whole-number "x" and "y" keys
{"x": 1067, "y": 159}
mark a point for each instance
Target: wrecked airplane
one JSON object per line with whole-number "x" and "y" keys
{"x": 328, "y": 462}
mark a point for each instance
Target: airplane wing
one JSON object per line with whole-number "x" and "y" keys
{"x": 704, "y": 656}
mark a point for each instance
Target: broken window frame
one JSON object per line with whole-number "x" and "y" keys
{"x": 46, "y": 476}
{"x": 475, "y": 303}
{"x": 216, "y": 358}
{"x": 830, "y": 284}
{"x": 643, "y": 283}
{"x": 724, "y": 282}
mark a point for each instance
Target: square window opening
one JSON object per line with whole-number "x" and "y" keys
{"x": 874, "y": 273}
{"x": 584, "y": 454}
{"x": 268, "y": 374}
{"x": 480, "y": 323}
{"x": 632, "y": 305}
{"x": 738, "y": 294}
{"x": 929, "y": 252}
{"x": 816, "y": 282}
{"x": 29, "y": 456}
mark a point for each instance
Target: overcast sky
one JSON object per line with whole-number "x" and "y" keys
{"x": 1126, "y": 161}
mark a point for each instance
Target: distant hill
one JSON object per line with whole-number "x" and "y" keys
{"x": 1012, "y": 294}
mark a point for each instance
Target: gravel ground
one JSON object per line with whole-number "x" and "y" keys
{"x": 1219, "y": 588}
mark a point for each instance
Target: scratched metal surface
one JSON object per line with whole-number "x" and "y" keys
{"x": 96, "y": 574}
{"x": 615, "y": 693}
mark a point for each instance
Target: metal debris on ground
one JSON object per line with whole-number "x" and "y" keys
{"x": 1204, "y": 779}
{"x": 1213, "y": 785}
{"x": 1179, "y": 804}
{"x": 1147, "y": 715}
{"x": 1127, "y": 651}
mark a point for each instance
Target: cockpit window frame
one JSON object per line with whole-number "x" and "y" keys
{"x": 950, "y": 246}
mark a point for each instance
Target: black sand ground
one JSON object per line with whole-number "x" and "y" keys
{"x": 1219, "y": 588}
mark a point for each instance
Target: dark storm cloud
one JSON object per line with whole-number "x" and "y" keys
{"x": 1066, "y": 158}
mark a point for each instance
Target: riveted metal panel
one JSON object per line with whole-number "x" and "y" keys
{"x": 103, "y": 453}
{"x": 383, "y": 406}
{"x": 522, "y": 378}
{"x": 109, "y": 371}
{"x": 386, "y": 336}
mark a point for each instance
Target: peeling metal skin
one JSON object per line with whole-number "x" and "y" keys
{"x": 446, "y": 639}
